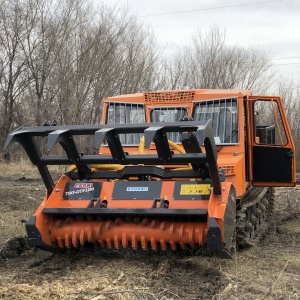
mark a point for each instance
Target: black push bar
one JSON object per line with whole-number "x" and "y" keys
{"x": 195, "y": 133}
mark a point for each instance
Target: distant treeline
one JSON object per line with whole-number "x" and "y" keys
{"x": 58, "y": 59}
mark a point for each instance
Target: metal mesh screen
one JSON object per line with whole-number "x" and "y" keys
{"x": 126, "y": 113}
{"x": 223, "y": 113}
{"x": 169, "y": 114}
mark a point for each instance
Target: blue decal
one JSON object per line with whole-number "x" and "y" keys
{"x": 137, "y": 189}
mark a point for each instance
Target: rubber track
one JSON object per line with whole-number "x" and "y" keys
{"x": 255, "y": 208}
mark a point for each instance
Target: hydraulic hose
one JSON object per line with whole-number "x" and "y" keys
{"x": 116, "y": 167}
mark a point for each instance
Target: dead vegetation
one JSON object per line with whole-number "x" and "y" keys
{"x": 269, "y": 270}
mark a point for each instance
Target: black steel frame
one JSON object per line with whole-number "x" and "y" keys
{"x": 197, "y": 133}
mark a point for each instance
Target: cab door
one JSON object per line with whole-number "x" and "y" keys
{"x": 271, "y": 158}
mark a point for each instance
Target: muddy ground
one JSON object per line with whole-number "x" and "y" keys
{"x": 268, "y": 270}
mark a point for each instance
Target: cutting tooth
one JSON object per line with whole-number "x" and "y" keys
{"x": 82, "y": 237}
{"x": 108, "y": 225}
{"x": 173, "y": 245}
{"x": 197, "y": 236}
{"x": 133, "y": 242}
{"x": 162, "y": 226}
{"x": 180, "y": 231}
{"x": 153, "y": 224}
{"x": 60, "y": 242}
{"x": 67, "y": 241}
{"x": 143, "y": 243}
{"x": 97, "y": 230}
{"x": 145, "y": 222}
{"x": 74, "y": 239}
{"x": 153, "y": 244}
{"x": 172, "y": 228}
{"x": 108, "y": 243}
{"x": 116, "y": 241}
{"x": 124, "y": 241}
{"x": 90, "y": 235}
{"x": 191, "y": 236}
{"x": 163, "y": 245}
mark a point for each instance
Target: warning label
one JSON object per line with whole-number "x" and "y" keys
{"x": 195, "y": 189}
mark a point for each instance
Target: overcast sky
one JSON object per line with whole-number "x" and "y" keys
{"x": 273, "y": 25}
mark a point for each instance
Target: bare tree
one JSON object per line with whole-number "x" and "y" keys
{"x": 172, "y": 73}
{"x": 49, "y": 25}
{"x": 13, "y": 80}
{"x": 208, "y": 62}
{"x": 290, "y": 94}
{"x": 58, "y": 59}
{"x": 113, "y": 56}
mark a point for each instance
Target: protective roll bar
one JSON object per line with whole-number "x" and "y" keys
{"x": 195, "y": 133}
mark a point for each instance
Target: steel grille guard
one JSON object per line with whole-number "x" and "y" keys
{"x": 197, "y": 132}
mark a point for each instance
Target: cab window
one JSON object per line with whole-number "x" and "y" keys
{"x": 169, "y": 114}
{"x": 224, "y": 117}
{"x": 126, "y": 113}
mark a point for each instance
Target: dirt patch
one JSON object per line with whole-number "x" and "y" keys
{"x": 269, "y": 270}
{"x": 13, "y": 248}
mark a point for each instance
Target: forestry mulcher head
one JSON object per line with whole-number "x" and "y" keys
{"x": 171, "y": 197}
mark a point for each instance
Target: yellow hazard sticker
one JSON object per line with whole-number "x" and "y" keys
{"x": 195, "y": 189}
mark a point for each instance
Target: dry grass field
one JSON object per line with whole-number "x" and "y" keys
{"x": 268, "y": 270}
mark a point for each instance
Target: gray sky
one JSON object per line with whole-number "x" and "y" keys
{"x": 273, "y": 25}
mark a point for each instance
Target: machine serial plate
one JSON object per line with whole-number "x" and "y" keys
{"x": 82, "y": 190}
{"x": 195, "y": 189}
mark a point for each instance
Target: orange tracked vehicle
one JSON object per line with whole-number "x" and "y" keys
{"x": 188, "y": 170}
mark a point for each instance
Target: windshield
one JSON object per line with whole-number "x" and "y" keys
{"x": 223, "y": 113}
{"x": 126, "y": 113}
{"x": 169, "y": 114}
